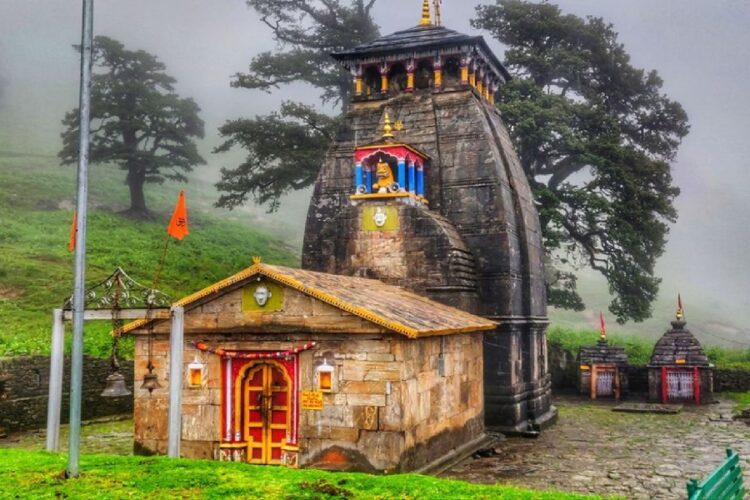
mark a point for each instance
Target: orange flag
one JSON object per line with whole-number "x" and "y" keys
{"x": 73, "y": 231}
{"x": 178, "y": 224}
{"x": 602, "y": 326}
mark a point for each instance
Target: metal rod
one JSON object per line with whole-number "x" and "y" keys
{"x": 54, "y": 402}
{"x": 176, "y": 346}
{"x": 76, "y": 367}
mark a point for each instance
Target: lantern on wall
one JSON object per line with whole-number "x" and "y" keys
{"x": 325, "y": 376}
{"x": 195, "y": 373}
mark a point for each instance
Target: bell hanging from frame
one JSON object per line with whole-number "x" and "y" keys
{"x": 115, "y": 386}
{"x": 150, "y": 380}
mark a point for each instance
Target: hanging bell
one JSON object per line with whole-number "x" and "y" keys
{"x": 115, "y": 386}
{"x": 150, "y": 380}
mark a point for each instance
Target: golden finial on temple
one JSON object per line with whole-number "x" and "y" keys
{"x": 426, "y": 20}
{"x": 387, "y": 128}
{"x": 256, "y": 259}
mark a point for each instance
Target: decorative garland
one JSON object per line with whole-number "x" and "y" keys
{"x": 202, "y": 346}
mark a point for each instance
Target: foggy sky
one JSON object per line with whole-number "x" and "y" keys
{"x": 700, "y": 48}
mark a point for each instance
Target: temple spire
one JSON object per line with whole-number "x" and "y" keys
{"x": 438, "y": 17}
{"x": 680, "y": 314}
{"x": 387, "y": 128}
{"x": 426, "y": 18}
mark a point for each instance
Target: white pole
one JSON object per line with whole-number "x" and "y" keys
{"x": 176, "y": 339}
{"x": 54, "y": 401}
{"x": 76, "y": 365}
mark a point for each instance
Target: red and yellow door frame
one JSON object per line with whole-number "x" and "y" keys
{"x": 260, "y": 410}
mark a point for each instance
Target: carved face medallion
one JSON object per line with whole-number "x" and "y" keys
{"x": 261, "y": 294}
{"x": 379, "y": 217}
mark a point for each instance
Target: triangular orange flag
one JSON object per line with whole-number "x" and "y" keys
{"x": 602, "y": 326}
{"x": 73, "y": 231}
{"x": 178, "y": 224}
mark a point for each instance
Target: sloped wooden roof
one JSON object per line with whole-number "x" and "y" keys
{"x": 385, "y": 305}
{"x": 421, "y": 38}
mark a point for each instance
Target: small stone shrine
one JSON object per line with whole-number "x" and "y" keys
{"x": 603, "y": 370}
{"x": 306, "y": 369}
{"x": 679, "y": 371}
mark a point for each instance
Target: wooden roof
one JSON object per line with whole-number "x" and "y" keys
{"x": 385, "y": 305}
{"x": 422, "y": 38}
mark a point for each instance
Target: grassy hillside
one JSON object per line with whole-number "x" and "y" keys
{"x": 36, "y": 270}
{"x": 38, "y": 475}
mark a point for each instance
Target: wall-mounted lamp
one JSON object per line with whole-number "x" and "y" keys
{"x": 325, "y": 376}
{"x": 195, "y": 373}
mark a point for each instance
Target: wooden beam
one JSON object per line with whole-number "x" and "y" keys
{"x": 106, "y": 314}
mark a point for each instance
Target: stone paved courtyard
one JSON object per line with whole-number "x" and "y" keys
{"x": 592, "y": 449}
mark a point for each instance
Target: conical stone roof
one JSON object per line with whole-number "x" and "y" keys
{"x": 678, "y": 347}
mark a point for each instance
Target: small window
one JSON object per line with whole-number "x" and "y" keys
{"x": 372, "y": 81}
{"x": 424, "y": 76}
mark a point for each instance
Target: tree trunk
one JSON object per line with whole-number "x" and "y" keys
{"x": 136, "y": 179}
{"x": 137, "y": 200}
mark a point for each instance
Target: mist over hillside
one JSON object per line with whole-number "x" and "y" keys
{"x": 695, "y": 46}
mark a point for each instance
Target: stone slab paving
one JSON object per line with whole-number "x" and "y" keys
{"x": 592, "y": 449}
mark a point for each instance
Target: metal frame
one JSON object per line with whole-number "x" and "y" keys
{"x": 104, "y": 301}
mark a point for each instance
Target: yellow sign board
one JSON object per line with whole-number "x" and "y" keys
{"x": 380, "y": 218}
{"x": 311, "y": 400}
{"x": 585, "y": 368}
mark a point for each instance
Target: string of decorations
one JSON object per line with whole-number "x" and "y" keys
{"x": 202, "y": 346}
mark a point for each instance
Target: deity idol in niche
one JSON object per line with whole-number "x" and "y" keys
{"x": 386, "y": 183}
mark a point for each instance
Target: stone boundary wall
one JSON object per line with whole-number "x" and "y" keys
{"x": 564, "y": 370}
{"x": 24, "y": 385}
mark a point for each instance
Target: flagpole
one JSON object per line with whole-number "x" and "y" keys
{"x": 157, "y": 275}
{"x": 76, "y": 368}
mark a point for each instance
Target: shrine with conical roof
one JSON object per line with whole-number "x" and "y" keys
{"x": 679, "y": 370}
{"x": 422, "y": 189}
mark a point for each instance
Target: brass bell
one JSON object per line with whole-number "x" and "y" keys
{"x": 115, "y": 386}
{"x": 150, "y": 380}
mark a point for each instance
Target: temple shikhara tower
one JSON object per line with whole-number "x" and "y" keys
{"x": 422, "y": 189}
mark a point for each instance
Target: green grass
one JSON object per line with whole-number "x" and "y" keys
{"x": 39, "y": 475}
{"x": 639, "y": 349}
{"x": 742, "y": 399}
{"x": 36, "y": 269}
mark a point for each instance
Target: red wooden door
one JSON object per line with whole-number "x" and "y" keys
{"x": 266, "y": 391}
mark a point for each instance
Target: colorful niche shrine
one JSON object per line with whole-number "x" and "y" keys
{"x": 679, "y": 371}
{"x": 388, "y": 169}
{"x": 304, "y": 369}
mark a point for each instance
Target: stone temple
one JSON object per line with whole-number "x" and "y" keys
{"x": 422, "y": 189}
{"x": 419, "y": 318}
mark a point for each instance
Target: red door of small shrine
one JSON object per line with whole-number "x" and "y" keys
{"x": 266, "y": 395}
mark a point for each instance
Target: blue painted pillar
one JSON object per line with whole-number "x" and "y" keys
{"x": 358, "y": 175}
{"x": 412, "y": 180}
{"x": 420, "y": 180}
{"x": 368, "y": 183}
{"x": 402, "y": 174}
